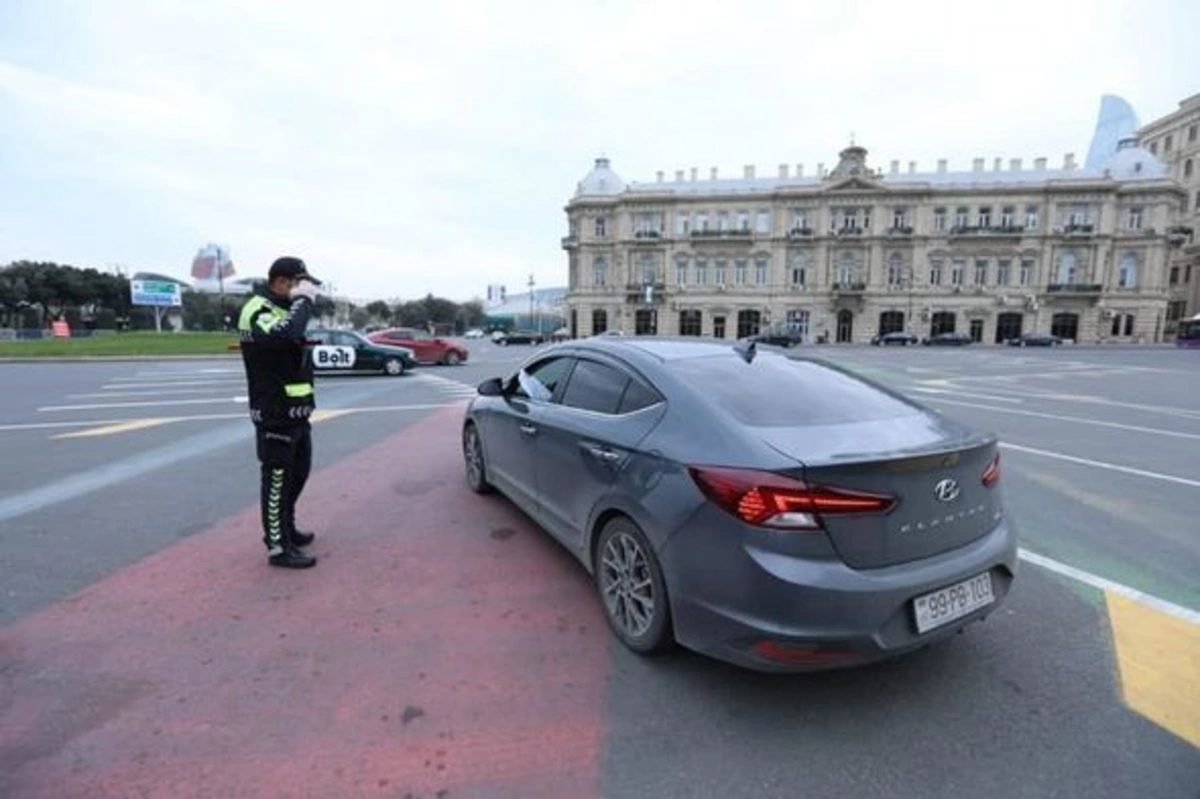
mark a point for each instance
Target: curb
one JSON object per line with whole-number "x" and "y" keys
{"x": 43, "y": 359}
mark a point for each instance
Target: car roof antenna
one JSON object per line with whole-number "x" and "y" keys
{"x": 747, "y": 349}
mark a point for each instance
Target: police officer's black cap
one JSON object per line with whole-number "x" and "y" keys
{"x": 287, "y": 266}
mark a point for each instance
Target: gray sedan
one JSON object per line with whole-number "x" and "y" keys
{"x": 776, "y": 513}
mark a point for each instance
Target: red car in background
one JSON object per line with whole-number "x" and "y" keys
{"x": 426, "y": 348}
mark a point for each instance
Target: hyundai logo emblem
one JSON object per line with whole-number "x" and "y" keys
{"x": 946, "y": 490}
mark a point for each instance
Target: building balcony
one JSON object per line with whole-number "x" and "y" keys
{"x": 1076, "y": 230}
{"x": 1075, "y": 289}
{"x": 989, "y": 231}
{"x": 849, "y": 288}
{"x": 570, "y": 242}
{"x": 648, "y": 237}
{"x": 899, "y": 231}
{"x": 643, "y": 293}
{"x": 800, "y": 233}
{"x": 1179, "y": 235}
{"x": 849, "y": 232}
{"x": 722, "y": 235}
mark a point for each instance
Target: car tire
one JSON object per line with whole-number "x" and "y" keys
{"x": 474, "y": 462}
{"x": 451, "y": 358}
{"x": 393, "y": 367}
{"x": 503, "y": 342}
{"x": 632, "y": 591}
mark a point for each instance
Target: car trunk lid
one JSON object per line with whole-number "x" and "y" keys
{"x": 935, "y": 474}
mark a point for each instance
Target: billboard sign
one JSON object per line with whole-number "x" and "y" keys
{"x": 157, "y": 293}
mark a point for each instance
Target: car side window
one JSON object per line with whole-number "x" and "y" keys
{"x": 342, "y": 340}
{"x": 541, "y": 380}
{"x": 637, "y": 396}
{"x": 595, "y": 387}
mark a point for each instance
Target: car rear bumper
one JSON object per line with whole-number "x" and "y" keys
{"x": 775, "y": 612}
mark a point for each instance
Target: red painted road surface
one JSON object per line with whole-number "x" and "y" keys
{"x": 441, "y": 648}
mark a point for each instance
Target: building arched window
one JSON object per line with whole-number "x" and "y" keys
{"x": 1067, "y": 263}
{"x": 1127, "y": 274}
{"x": 895, "y": 269}
{"x": 600, "y": 271}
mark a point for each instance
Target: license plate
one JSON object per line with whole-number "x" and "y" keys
{"x": 953, "y": 602}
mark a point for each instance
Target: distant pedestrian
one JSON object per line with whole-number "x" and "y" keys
{"x": 279, "y": 378}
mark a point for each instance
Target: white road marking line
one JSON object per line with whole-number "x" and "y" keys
{"x": 1076, "y": 419}
{"x": 156, "y": 393}
{"x": 188, "y": 372}
{"x": 991, "y": 397}
{"x": 173, "y": 384}
{"x": 101, "y": 405}
{"x": 1130, "y": 593}
{"x": 1170, "y": 478}
{"x": 208, "y": 417}
{"x": 1037, "y": 375}
{"x": 1089, "y": 399}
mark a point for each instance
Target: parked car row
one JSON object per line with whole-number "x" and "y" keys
{"x": 902, "y": 338}
{"x": 392, "y": 351}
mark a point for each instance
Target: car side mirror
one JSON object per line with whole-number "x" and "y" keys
{"x": 492, "y": 387}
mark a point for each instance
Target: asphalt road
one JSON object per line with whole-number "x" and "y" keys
{"x": 444, "y": 647}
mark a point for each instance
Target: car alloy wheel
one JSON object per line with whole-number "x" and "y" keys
{"x": 632, "y": 589}
{"x": 393, "y": 367}
{"x": 452, "y": 358}
{"x": 473, "y": 458}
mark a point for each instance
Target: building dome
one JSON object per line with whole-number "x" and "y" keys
{"x": 601, "y": 181}
{"x": 1131, "y": 162}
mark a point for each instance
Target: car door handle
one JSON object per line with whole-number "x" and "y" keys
{"x": 606, "y": 455}
{"x": 529, "y": 429}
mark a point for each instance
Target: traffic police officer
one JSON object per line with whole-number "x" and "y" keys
{"x": 279, "y": 379}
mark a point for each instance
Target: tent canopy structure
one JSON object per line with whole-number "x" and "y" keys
{"x": 546, "y": 313}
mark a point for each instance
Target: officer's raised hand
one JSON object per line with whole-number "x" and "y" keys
{"x": 304, "y": 288}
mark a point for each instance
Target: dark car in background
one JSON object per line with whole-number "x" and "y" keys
{"x": 519, "y": 337}
{"x": 426, "y": 348}
{"x": 897, "y": 338}
{"x": 948, "y": 340}
{"x": 779, "y": 337}
{"x": 344, "y": 351}
{"x": 716, "y": 511}
{"x": 1035, "y": 340}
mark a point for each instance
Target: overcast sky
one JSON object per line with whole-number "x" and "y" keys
{"x": 404, "y": 148}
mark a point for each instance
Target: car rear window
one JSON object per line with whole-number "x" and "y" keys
{"x": 778, "y": 392}
{"x": 595, "y": 387}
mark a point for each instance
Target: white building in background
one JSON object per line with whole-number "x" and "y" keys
{"x": 1175, "y": 139}
{"x": 1001, "y": 249}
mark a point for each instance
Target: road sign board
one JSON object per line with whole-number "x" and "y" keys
{"x": 161, "y": 293}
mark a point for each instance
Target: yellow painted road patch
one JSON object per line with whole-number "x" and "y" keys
{"x": 113, "y": 429}
{"x": 322, "y": 415}
{"x": 1159, "y": 659}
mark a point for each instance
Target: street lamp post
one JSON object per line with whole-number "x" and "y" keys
{"x": 909, "y": 278}
{"x": 531, "y": 284}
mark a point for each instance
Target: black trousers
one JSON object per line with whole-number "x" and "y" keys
{"x": 286, "y": 457}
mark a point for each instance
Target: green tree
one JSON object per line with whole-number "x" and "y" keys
{"x": 380, "y": 310}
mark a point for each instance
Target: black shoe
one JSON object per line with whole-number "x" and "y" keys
{"x": 301, "y": 538}
{"x": 292, "y": 558}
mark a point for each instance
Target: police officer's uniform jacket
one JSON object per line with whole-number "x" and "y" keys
{"x": 279, "y": 373}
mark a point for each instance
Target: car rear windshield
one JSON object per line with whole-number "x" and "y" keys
{"x": 777, "y": 391}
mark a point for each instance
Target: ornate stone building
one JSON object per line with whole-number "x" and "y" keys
{"x": 997, "y": 251}
{"x": 1175, "y": 139}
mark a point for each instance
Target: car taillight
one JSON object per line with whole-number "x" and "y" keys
{"x": 991, "y": 475}
{"x": 765, "y": 499}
